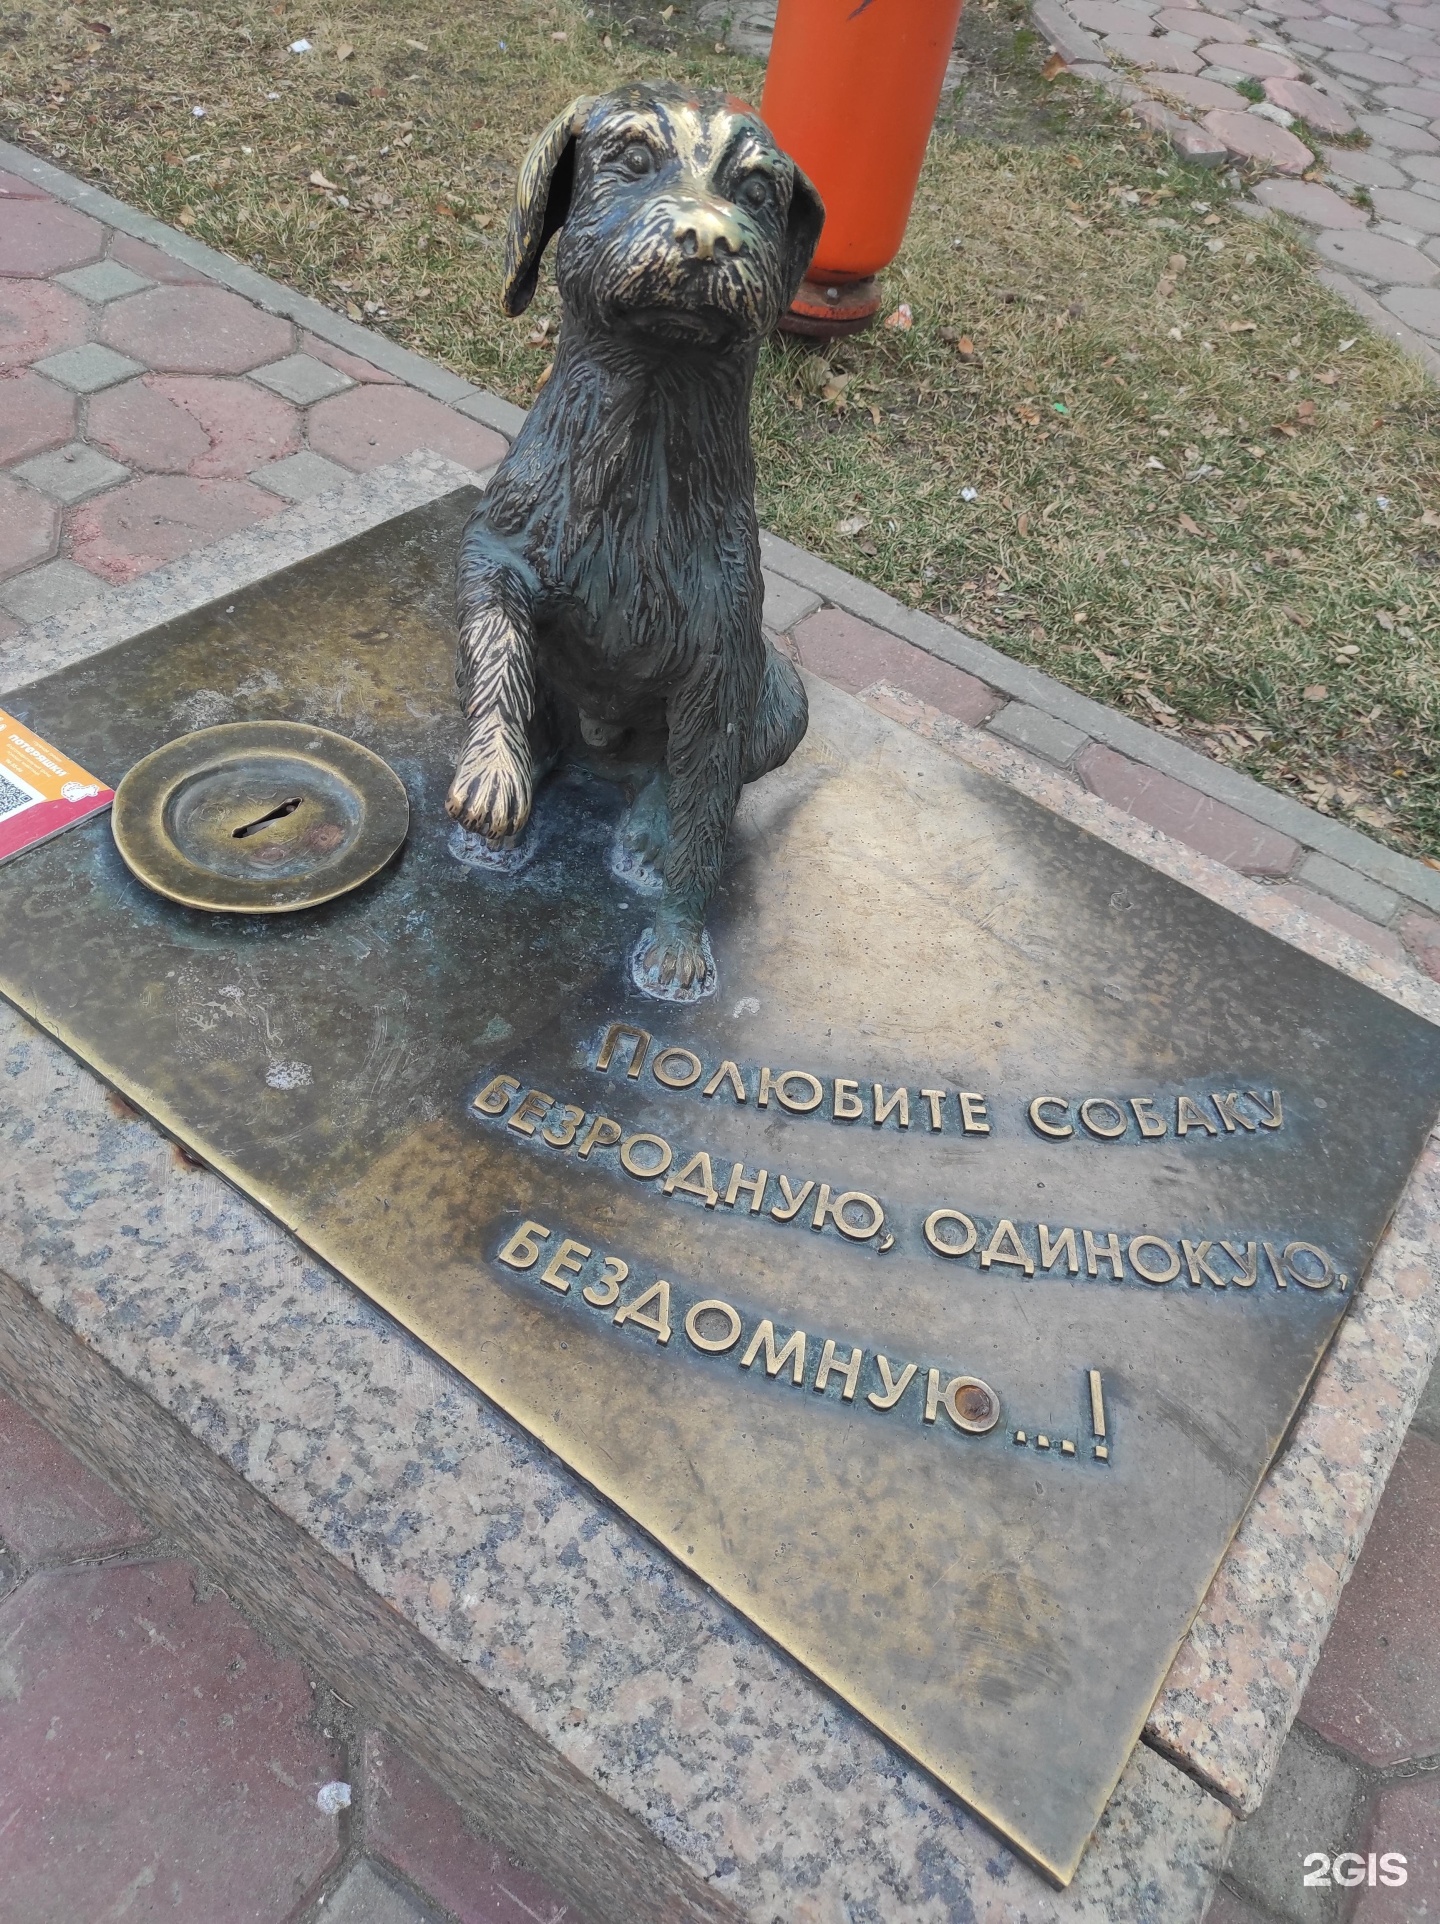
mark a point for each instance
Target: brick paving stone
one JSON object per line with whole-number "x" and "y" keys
{"x": 195, "y": 330}
{"x": 1334, "y": 34}
{"x": 1370, "y": 66}
{"x": 1256, "y": 139}
{"x": 300, "y": 476}
{"x": 105, "y": 281}
{"x": 301, "y": 378}
{"x": 855, "y": 655}
{"x": 1404, "y": 41}
{"x": 1038, "y": 733}
{"x": 159, "y": 1759}
{"x": 194, "y": 424}
{"x": 1421, "y": 935}
{"x": 1412, "y": 100}
{"x": 89, "y": 368}
{"x": 368, "y": 1897}
{"x": 16, "y": 187}
{"x": 1307, "y": 200}
{"x": 1320, "y": 111}
{"x": 1220, "y": 832}
{"x": 1166, "y": 52}
{"x": 786, "y": 602}
{"x": 51, "y": 1506}
{"x": 153, "y": 262}
{"x": 157, "y": 518}
{"x": 1376, "y": 1689}
{"x": 1366, "y": 170}
{"x": 1313, "y": 1803}
{"x": 1103, "y": 16}
{"x": 1378, "y": 258}
{"x": 412, "y": 1825}
{"x": 1406, "y": 1820}
{"x": 40, "y": 237}
{"x": 1194, "y": 90}
{"x": 29, "y": 526}
{"x": 71, "y": 473}
{"x": 1258, "y": 62}
{"x": 34, "y": 414}
{"x": 350, "y": 364}
{"x": 1411, "y": 210}
{"x": 37, "y": 319}
{"x": 1386, "y": 131}
{"x": 48, "y": 590}
{"x": 1348, "y": 885}
{"x": 1311, "y": 900}
{"x": 368, "y": 426}
{"x": 1199, "y": 25}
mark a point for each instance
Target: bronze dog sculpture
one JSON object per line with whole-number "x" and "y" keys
{"x": 609, "y": 582}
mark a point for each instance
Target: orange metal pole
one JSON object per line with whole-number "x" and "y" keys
{"x": 851, "y": 93}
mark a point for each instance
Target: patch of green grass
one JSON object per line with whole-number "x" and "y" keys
{"x": 1201, "y": 491}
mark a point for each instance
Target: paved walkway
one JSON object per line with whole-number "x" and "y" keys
{"x": 163, "y": 1759}
{"x": 155, "y": 397}
{"x": 1344, "y": 93}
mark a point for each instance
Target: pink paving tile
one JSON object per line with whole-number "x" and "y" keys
{"x": 367, "y": 426}
{"x": 344, "y": 363}
{"x": 1104, "y": 16}
{"x": 34, "y": 414}
{"x": 29, "y": 527}
{"x": 158, "y": 1758}
{"x": 42, "y": 237}
{"x": 1222, "y": 833}
{"x": 1227, "y": 1908}
{"x": 37, "y": 319}
{"x": 1386, "y": 131}
{"x": 1427, "y": 64}
{"x": 1421, "y": 935}
{"x": 1256, "y": 139}
{"x": 51, "y": 1506}
{"x": 1324, "y": 113}
{"x": 1258, "y": 62}
{"x": 1385, "y": 940}
{"x": 412, "y": 1825}
{"x": 1413, "y": 100}
{"x": 1359, "y": 13}
{"x": 1410, "y": 210}
{"x": 193, "y": 424}
{"x": 854, "y": 655}
{"x": 1376, "y": 1689}
{"x": 16, "y": 187}
{"x": 194, "y": 330}
{"x": 1294, "y": 10}
{"x": 1333, "y": 34}
{"x": 151, "y": 262}
{"x": 1378, "y": 258}
{"x": 1367, "y": 170}
{"x": 1193, "y": 90}
{"x": 1307, "y": 200}
{"x": 1418, "y": 307}
{"x": 1200, "y": 25}
{"x": 1371, "y": 66}
{"x": 1162, "y": 51}
{"x": 1406, "y": 1821}
{"x": 1401, "y": 40}
{"x": 148, "y": 522}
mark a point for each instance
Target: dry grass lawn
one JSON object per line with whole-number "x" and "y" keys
{"x": 1127, "y": 437}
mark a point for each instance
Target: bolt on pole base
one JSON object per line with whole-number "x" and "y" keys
{"x": 824, "y": 310}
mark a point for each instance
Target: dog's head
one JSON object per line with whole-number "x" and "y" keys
{"x": 679, "y": 217}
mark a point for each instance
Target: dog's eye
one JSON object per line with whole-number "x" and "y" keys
{"x": 637, "y": 159}
{"x": 757, "y": 191}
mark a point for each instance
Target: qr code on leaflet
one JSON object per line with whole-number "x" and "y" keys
{"x": 13, "y": 798}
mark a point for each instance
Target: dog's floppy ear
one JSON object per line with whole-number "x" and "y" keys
{"x": 802, "y": 231}
{"x": 542, "y": 200}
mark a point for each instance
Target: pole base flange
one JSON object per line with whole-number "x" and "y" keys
{"x": 824, "y": 310}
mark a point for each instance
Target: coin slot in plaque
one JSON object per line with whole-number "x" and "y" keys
{"x": 258, "y": 818}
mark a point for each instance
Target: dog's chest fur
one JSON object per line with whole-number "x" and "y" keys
{"x": 630, "y": 493}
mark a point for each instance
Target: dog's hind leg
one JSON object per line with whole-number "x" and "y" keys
{"x": 782, "y": 715}
{"x": 495, "y": 775}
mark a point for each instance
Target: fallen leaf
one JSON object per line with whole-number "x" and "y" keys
{"x": 1430, "y": 519}
{"x": 1153, "y": 463}
{"x": 1386, "y": 620}
{"x": 1328, "y": 379}
{"x": 853, "y": 524}
{"x": 1305, "y": 411}
{"x": 965, "y": 348}
{"x": 874, "y": 414}
{"x": 559, "y": 36}
{"x": 1022, "y": 526}
{"x": 317, "y": 179}
{"x": 1241, "y": 327}
{"x": 1054, "y": 65}
{"x": 344, "y": 50}
{"x": 417, "y": 46}
{"x": 1177, "y": 263}
{"x": 1373, "y": 815}
{"x": 544, "y": 375}
{"x": 902, "y": 318}
{"x": 1317, "y": 692}
{"x": 1028, "y": 415}
{"x": 667, "y": 13}
{"x": 1284, "y": 427}
{"x": 186, "y": 217}
{"x": 445, "y": 210}
{"x": 1164, "y": 288}
{"x": 607, "y": 43}
{"x": 1191, "y": 527}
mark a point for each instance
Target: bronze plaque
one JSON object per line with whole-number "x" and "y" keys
{"x": 938, "y": 1292}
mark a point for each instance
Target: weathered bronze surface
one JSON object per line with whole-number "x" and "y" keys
{"x": 257, "y": 818}
{"x": 960, "y": 1401}
{"x": 610, "y": 589}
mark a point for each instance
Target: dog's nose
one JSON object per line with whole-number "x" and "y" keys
{"x": 703, "y": 229}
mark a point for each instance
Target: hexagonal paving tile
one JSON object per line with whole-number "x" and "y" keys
{"x": 29, "y": 526}
{"x": 37, "y": 319}
{"x": 371, "y": 425}
{"x": 195, "y": 330}
{"x": 155, "y": 519}
{"x": 193, "y": 424}
{"x": 34, "y": 414}
{"x": 40, "y": 237}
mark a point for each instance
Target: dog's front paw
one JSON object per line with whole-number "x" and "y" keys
{"x": 491, "y": 792}
{"x": 673, "y": 966}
